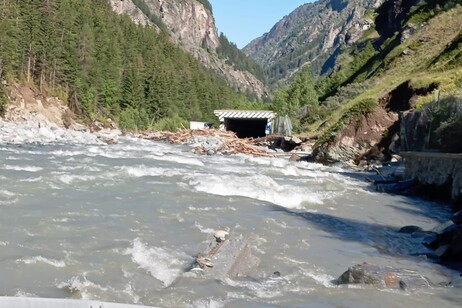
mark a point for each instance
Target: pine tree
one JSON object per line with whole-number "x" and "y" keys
{"x": 104, "y": 64}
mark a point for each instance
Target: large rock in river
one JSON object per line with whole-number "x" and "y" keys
{"x": 383, "y": 277}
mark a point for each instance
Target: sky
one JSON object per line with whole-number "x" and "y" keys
{"x": 244, "y": 20}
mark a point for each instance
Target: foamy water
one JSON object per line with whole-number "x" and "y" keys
{"x": 123, "y": 222}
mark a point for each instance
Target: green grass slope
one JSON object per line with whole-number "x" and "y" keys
{"x": 431, "y": 54}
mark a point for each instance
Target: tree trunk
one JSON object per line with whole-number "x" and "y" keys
{"x": 29, "y": 62}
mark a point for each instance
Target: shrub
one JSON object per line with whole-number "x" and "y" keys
{"x": 133, "y": 119}
{"x": 449, "y": 135}
{"x": 171, "y": 123}
{"x": 362, "y": 107}
{"x": 447, "y": 124}
{"x": 314, "y": 114}
{"x": 345, "y": 94}
{"x": 3, "y": 103}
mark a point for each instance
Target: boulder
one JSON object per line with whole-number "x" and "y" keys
{"x": 410, "y": 229}
{"x": 408, "y": 30}
{"x": 294, "y": 157}
{"x": 453, "y": 252}
{"x": 444, "y": 237}
{"x": 383, "y": 277}
{"x": 78, "y": 127}
{"x": 287, "y": 143}
{"x": 456, "y": 282}
{"x": 108, "y": 138}
{"x": 447, "y": 244}
{"x": 457, "y": 218}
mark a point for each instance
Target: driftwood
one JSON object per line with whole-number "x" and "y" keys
{"x": 229, "y": 256}
{"x": 230, "y": 143}
{"x": 185, "y": 135}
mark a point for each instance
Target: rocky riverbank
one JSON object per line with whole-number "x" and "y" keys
{"x": 15, "y": 133}
{"x": 33, "y": 118}
{"x": 445, "y": 241}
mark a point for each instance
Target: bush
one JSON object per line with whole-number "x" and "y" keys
{"x": 451, "y": 57}
{"x": 449, "y": 134}
{"x": 332, "y": 103}
{"x": 133, "y": 119}
{"x": 362, "y": 107}
{"x": 3, "y": 102}
{"x": 171, "y": 124}
{"x": 447, "y": 125}
{"x": 345, "y": 94}
{"x": 314, "y": 114}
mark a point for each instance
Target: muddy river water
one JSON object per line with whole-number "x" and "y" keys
{"x": 121, "y": 223}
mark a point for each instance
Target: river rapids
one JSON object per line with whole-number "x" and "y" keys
{"x": 122, "y": 223}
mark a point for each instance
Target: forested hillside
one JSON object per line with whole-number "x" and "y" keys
{"x": 229, "y": 51}
{"x": 104, "y": 65}
{"x": 191, "y": 26}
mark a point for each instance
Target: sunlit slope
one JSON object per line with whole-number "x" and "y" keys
{"x": 432, "y": 54}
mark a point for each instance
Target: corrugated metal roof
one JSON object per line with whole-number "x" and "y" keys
{"x": 244, "y": 114}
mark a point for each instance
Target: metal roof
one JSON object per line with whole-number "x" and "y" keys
{"x": 244, "y": 114}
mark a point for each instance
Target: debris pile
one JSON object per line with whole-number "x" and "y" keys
{"x": 210, "y": 141}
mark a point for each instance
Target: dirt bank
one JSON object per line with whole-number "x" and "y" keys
{"x": 28, "y": 106}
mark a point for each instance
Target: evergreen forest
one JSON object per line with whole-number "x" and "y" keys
{"x": 234, "y": 56}
{"x": 105, "y": 66}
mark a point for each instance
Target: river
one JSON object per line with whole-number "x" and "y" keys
{"x": 122, "y": 222}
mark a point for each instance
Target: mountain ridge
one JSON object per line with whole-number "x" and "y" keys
{"x": 191, "y": 25}
{"x": 311, "y": 34}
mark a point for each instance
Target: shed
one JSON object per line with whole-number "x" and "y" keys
{"x": 245, "y": 123}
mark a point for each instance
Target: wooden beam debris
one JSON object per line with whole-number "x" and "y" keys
{"x": 229, "y": 142}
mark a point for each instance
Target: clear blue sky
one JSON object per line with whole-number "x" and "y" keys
{"x": 244, "y": 20}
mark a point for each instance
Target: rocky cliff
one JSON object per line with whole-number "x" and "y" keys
{"x": 129, "y": 8}
{"x": 313, "y": 34}
{"x": 191, "y": 25}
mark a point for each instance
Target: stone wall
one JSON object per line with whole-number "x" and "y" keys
{"x": 436, "y": 169}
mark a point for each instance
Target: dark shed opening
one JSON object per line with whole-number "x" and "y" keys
{"x": 247, "y": 128}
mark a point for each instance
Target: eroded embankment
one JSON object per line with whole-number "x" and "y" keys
{"x": 373, "y": 133}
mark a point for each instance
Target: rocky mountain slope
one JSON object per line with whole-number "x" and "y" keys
{"x": 191, "y": 25}
{"x": 406, "y": 96}
{"x": 129, "y": 8}
{"x": 313, "y": 34}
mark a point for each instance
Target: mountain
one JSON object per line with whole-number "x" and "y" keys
{"x": 397, "y": 89}
{"x": 190, "y": 25}
{"x": 314, "y": 33}
{"x": 394, "y": 81}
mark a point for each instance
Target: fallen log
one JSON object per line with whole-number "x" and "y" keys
{"x": 226, "y": 255}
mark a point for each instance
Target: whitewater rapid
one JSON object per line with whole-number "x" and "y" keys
{"x": 121, "y": 223}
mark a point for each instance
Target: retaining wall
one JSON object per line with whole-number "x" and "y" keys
{"x": 435, "y": 169}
